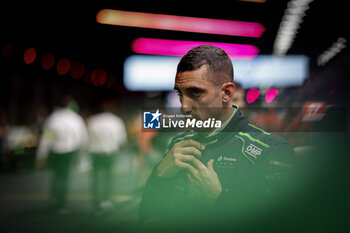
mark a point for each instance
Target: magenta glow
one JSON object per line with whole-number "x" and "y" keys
{"x": 180, "y": 47}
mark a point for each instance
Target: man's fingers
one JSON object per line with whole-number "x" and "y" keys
{"x": 191, "y": 159}
{"x": 186, "y": 166}
{"x": 191, "y": 142}
{"x": 210, "y": 165}
{"x": 190, "y": 151}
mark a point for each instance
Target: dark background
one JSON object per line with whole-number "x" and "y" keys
{"x": 69, "y": 29}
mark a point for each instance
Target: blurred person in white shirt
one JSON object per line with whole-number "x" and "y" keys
{"x": 107, "y": 135}
{"x": 64, "y": 137}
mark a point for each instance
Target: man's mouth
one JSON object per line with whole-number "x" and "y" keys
{"x": 194, "y": 116}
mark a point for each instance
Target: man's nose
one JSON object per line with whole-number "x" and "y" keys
{"x": 186, "y": 107}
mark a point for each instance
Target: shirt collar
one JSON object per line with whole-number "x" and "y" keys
{"x": 224, "y": 124}
{"x": 234, "y": 124}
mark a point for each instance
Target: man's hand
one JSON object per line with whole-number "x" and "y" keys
{"x": 204, "y": 182}
{"x": 181, "y": 156}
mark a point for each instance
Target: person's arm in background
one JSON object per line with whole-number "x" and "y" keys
{"x": 122, "y": 135}
{"x": 83, "y": 160}
{"x": 85, "y": 141}
{"x": 44, "y": 146}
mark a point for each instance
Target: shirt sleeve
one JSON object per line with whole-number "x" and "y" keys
{"x": 271, "y": 179}
{"x": 45, "y": 143}
{"x": 157, "y": 193}
{"x": 123, "y": 137}
{"x": 277, "y": 169}
{"x": 155, "y": 200}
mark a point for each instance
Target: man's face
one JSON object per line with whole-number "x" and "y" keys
{"x": 198, "y": 96}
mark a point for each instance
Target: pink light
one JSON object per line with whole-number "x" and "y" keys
{"x": 179, "y": 23}
{"x": 180, "y": 47}
{"x": 271, "y": 94}
{"x": 252, "y": 95}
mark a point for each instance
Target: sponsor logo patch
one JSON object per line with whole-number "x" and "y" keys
{"x": 253, "y": 150}
{"x": 225, "y": 162}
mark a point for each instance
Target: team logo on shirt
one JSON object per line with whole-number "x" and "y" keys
{"x": 151, "y": 120}
{"x": 225, "y": 162}
{"x": 253, "y": 150}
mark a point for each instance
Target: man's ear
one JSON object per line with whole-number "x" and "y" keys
{"x": 228, "y": 89}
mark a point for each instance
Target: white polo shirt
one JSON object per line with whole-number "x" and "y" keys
{"x": 106, "y": 132}
{"x": 64, "y": 132}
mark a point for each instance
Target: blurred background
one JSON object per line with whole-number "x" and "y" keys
{"x": 291, "y": 59}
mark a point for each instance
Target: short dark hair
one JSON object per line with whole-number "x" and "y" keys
{"x": 219, "y": 63}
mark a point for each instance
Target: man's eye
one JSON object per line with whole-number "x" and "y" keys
{"x": 195, "y": 93}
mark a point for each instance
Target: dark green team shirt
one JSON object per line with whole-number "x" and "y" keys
{"x": 251, "y": 164}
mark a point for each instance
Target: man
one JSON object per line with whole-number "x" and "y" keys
{"x": 219, "y": 177}
{"x": 64, "y": 137}
{"x": 107, "y": 135}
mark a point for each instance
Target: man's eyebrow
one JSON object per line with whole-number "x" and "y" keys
{"x": 195, "y": 89}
